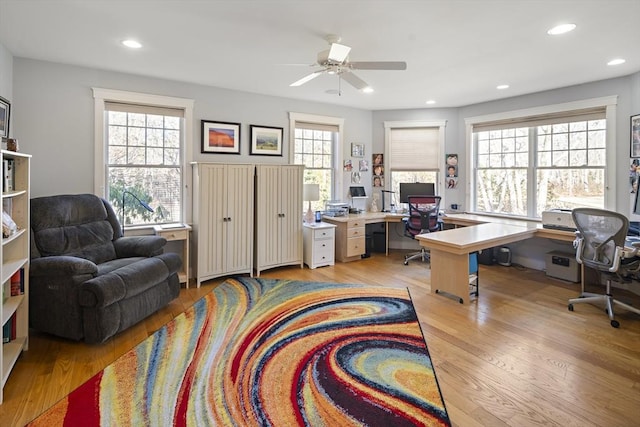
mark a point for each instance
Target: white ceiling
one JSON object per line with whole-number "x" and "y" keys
{"x": 457, "y": 51}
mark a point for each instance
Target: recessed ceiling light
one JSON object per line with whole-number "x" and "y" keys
{"x": 368, "y": 89}
{"x": 132, "y": 44}
{"x": 561, "y": 29}
{"x": 502, "y": 87}
{"x": 430, "y": 102}
{"x": 616, "y": 61}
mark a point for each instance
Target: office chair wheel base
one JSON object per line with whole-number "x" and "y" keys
{"x": 570, "y": 307}
{"x": 615, "y": 323}
{"x": 406, "y": 262}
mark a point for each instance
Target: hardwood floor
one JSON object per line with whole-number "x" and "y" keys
{"x": 514, "y": 357}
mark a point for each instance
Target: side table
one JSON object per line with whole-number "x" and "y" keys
{"x": 178, "y": 232}
{"x": 319, "y": 244}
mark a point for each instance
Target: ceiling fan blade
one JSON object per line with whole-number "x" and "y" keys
{"x": 378, "y": 65}
{"x": 354, "y": 80}
{"x": 306, "y": 78}
{"x": 338, "y": 52}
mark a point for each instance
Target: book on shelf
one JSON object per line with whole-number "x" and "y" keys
{"x": 8, "y": 172}
{"x": 17, "y": 283}
{"x": 9, "y": 329}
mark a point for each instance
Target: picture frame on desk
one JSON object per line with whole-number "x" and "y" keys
{"x": 635, "y": 135}
{"x": 5, "y": 116}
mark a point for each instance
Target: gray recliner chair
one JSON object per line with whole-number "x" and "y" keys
{"x": 87, "y": 281}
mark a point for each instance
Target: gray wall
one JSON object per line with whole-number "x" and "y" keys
{"x": 6, "y": 77}
{"x": 55, "y": 119}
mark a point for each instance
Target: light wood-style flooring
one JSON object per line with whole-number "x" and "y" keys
{"x": 515, "y": 357}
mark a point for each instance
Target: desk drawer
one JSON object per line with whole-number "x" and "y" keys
{"x": 353, "y": 223}
{"x": 174, "y": 234}
{"x": 355, "y": 232}
{"x": 323, "y": 234}
{"x": 356, "y": 245}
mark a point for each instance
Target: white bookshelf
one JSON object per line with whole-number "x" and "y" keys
{"x": 15, "y": 256}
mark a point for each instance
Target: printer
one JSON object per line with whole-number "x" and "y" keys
{"x": 559, "y": 219}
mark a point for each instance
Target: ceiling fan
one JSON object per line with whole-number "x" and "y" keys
{"x": 335, "y": 60}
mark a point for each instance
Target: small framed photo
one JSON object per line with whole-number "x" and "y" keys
{"x": 357, "y": 150}
{"x": 635, "y": 135}
{"x": 5, "y": 115}
{"x": 266, "y": 141}
{"x": 220, "y": 137}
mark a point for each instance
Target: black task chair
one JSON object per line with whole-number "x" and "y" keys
{"x": 423, "y": 218}
{"x": 600, "y": 245}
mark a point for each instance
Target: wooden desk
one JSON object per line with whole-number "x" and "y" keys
{"x": 467, "y": 220}
{"x": 450, "y": 250}
{"x": 350, "y": 232}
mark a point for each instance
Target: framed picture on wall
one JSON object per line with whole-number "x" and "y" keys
{"x": 5, "y": 111}
{"x": 357, "y": 150}
{"x": 266, "y": 141}
{"x": 635, "y": 135}
{"x": 220, "y": 137}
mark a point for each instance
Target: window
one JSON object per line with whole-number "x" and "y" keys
{"x": 413, "y": 154}
{"x": 316, "y": 146}
{"x": 143, "y": 158}
{"x": 526, "y": 165}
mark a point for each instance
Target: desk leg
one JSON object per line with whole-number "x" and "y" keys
{"x": 450, "y": 274}
{"x": 386, "y": 230}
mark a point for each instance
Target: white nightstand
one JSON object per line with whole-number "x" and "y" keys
{"x": 319, "y": 244}
{"x": 178, "y": 232}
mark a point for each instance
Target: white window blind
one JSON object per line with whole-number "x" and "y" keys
{"x": 143, "y": 109}
{"x": 415, "y": 148}
{"x": 597, "y": 113}
{"x": 317, "y": 126}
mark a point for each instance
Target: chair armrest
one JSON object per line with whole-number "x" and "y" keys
{"x": 135, "y": 246}
{"x": 62, "y": 265}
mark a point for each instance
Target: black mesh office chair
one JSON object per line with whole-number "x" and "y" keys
{"x": 600, "y": 245}
{"x": 423, "y": 218}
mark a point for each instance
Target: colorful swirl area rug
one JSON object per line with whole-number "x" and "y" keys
{"x": 264, "y": 352}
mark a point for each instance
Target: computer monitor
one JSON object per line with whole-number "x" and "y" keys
{"x": 416, "y": 189}
{"x": 357, "y": 192}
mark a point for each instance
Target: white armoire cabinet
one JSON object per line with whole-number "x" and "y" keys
{"x": 278, "y": 216}
{"x": 222, "y": 219}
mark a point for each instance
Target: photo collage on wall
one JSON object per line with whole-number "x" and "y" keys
{"x": 451, "y": 179}
{"x": 378, "y": 170}
{"x": 357, "y": 150}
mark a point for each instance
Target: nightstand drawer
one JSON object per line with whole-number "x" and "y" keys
{"x": 324, "y": 234}
{"x": 323, "y": 253}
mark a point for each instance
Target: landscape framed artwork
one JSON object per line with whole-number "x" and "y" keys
{"x": 220, "y": 137}
{"x": 5, "y": 110}
{"x": 635, "y": 135}
{"x": 266, "y": 141}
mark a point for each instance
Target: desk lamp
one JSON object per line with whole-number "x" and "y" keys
{"x": 311, "y": 193}
{"x": 143, "y": 204}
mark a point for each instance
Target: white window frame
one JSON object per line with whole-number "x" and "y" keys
{"x": 337, "y": 148}
{"x": 101, "y": 96}
{"x": 608, "y": 102}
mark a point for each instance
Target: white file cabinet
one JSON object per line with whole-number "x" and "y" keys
{"x": 319, "y": 244}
